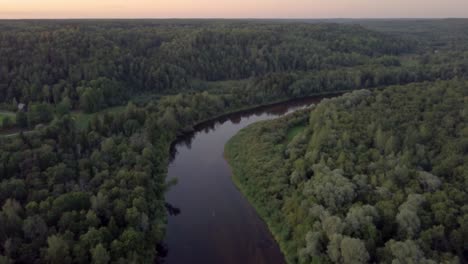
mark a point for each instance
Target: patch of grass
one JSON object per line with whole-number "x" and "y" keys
{"x": 5, "y": 114}
{"x": 294, "y": 131}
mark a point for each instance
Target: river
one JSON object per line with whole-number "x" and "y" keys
{"x": 215, "y": 222}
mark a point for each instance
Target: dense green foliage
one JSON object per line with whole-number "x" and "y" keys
{"x": 69, "y": 193}
{"x": 374, "y": 177}
{"x": 96, "y": 65}
{"x": 436, "y": 35}
{"x": 54, "y": 67}
{"x": 86, "y": 182}
{"x": 7, "y": 119}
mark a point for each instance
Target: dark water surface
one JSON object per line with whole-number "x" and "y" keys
{"x": 216, "y": 224}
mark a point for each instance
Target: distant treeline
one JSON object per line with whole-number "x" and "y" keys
{"x": 100, "y": 64}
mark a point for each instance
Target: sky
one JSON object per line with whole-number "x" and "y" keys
{"x": 12, "y": 9}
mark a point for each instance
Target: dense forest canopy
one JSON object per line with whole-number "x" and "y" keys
{"x": 92, "y": 65}
{"x": 445, "y": 34}
{"x": 48, "y": 62}
{"x": 367, "y": 177}
{"x": 83, "y": 181}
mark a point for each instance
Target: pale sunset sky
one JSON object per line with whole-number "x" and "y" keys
{"x": 233, "y": 8}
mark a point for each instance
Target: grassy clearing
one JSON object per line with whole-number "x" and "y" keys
{"x": 5, "y": 114}
{"x": 294, "y": 131}
{"x": 10, "y": 129}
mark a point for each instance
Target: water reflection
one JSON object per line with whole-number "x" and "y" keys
{"x": 209, "y": 219}
{"x": 278, "y": 109}
{"x": 171, "y": 210}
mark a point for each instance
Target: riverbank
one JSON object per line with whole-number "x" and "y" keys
{"x": 250, "y": 156}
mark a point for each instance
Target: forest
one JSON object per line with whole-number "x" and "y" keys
{"x": 340, "y": 184}
{"x": 89, "y": 109}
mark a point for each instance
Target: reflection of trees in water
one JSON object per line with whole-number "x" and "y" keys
{"x": 162, "y": 250}
{"x": 236, "y": 119}
{"x": 162, "y": 247}
{"x": 279, "y": 109}
{"x": 183, "y": 140}
{"x": 172, "y": 210}
{"x": 209, "y": 127}
{"x": 172, "y": 152}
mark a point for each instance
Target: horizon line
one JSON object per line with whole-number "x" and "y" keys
{"x": 234, "y": 18}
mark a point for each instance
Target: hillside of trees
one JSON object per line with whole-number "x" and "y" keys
{"x": 101, "y": 64}
{"x": 90, "y": 66}
{"x": 96, "y": 65}
{"x": 372, "y": 176}
{"x": 73, "y": 192}
{"x": 435, "y": 35}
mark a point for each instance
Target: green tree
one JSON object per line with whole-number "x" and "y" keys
{"x": 58, "y": 250}
{"x": 21, "y": 119}
{"x": 100, "y": 255}
{"x": 64, "y": 107}
{"x": 35, "y": 228}
{"x": 39, "y": 113}
{"x": 331, "y": 188}
{"x": 353, "y": 251}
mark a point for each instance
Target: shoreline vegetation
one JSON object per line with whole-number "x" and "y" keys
{"x": 83, "y": 119}
{"x": 76, "y": 191}
{"x": 286, "y": 180}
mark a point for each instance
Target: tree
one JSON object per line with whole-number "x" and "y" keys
{"x": 58, "y": 250}
{"x": 429, "y": 181}
{"x": 353, "y": 251}
{"x": 39, "y": 113}
{"x": 132, "y": 240}
{"x": 12, "y": 210}
{"x": 380, "y": 139}
{"x": 100, "y": 255}
{"x": 71, "y": 201}
{"x": 91, "y": 100}
{"x": 407, "y": 217}
{"x": 314, "y": 246}
{"x": 92, "y": 220}
{"x": 332, "y": 189}
{"x": 35, "y": 228}
{"x": 334, "y": 248}
{"x": 64, "y": 107}
{"x": 332, "y": 225}
{"x": 169, "y": 119}
{"x": 21, "y": 119}
{"x": 406, "y": 252}
{"x": 99, "y": 203}
{"x": 360, "y": 221}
